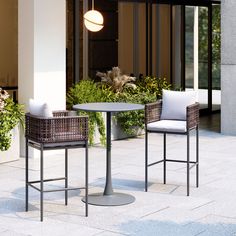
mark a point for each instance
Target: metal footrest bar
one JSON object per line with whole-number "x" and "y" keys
{"x": 36, "y": 188}
{"x": 170, "y": 160}
{"x": 54, "y": 190}
{"x": 62, "y": 189}
{"x": 154, "y": 163}
{"x": 195, "y": 164}
{"x": 181, "y": 161}
{"x": 46, "y": 180}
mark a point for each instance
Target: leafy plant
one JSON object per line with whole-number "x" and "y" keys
{"x": 87, "y": 91}
{"x": 116, "y": 80}
{"x": 152, "y": 85}
{"x": 148, "y": 89}
{"x": 11, "y": 114}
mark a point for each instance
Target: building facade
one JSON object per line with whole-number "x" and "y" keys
{"x": 46, "y": 48}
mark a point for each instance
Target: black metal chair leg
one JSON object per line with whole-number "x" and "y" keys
{"x": 197, "y": 157}
{"x": 188, "y": 170}
{"x": 146, "y": 161}
{"x": 164, "y": 163}
{"x": 86, "y": 180}
{"x": 66, "y": 176}
{"x": 26, "y": 175}
{"x": 41, "y": 183}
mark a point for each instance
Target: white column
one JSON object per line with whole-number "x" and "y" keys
{"x": 42, "y": 52}
{"x": 25, "y": 50}
{"x": 228, "y": 67}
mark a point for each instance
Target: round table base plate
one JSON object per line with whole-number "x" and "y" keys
{"x": 116, "y": 199}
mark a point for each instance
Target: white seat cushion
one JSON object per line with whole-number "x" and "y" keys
{"x": 176, "y": 126}
{"x": 174, "y": 104}
{"x": 38, "y": 108}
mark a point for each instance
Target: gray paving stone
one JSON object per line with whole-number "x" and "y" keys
{"x": 12, "y": 233}
{"x": 109, "y": 233}
{"x": 163, "y": 210}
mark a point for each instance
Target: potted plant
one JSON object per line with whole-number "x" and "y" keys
{"x": 84, "y": 92}
{"x": 148, "y": 89}
{"x": 116, "y": 87}
{"x": 11, "y": 114}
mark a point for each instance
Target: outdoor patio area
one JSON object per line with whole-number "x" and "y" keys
{"x": 163, "y": 210}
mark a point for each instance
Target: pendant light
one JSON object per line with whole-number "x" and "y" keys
{"x": 93, "y": 20}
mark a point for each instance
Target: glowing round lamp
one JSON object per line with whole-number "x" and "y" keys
{"x": 93, "y": 20}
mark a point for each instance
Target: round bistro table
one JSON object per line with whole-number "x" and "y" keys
{"x": 109, "y": 197}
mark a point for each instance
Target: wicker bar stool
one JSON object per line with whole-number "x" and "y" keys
{"x": 58, "y": 132}
{"x": 155, "y": 124}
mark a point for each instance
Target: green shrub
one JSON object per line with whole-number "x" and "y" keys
{"x": 152, "y": 85}
{"x": 148, "y": 89}
{"x": 87, "y": 91}
{"x": 11, "y": 114}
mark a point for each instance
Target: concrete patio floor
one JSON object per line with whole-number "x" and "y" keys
{"x": 163, "y": 210}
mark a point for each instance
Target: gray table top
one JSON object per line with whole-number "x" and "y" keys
{"x": 108, "y": 107}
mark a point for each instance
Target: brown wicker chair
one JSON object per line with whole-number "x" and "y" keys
{"x": 59, "y": 132}
{"x": 152, "y": 125}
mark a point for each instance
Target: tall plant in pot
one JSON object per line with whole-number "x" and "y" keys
{"x": 147, "y": 89}
{"x": 11, "y": 114}
{"x": 87, "y": 91}
{"x": 117, "y": 87}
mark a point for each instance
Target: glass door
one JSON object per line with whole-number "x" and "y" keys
{"x": 216, "y": 58}
{"x": 202, "y": 55}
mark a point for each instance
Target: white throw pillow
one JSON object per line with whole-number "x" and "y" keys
{"x": 38, "y": 108}
{"x": 174, "y": 104}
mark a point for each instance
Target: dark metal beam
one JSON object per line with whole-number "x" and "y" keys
{"x": 147, "y": 40}
{"x": 210, "y": 58}
{"x": 76, "y": 42}
{"x": 177, "y": 2}
{"x": 150, "y": 38}
{"x": 171, "y": 44}
{"x": 183, "y": 45}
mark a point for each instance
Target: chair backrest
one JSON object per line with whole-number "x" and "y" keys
{"x": 59, "y": 128}
{"x": 174, "y": 104}
{"x": 39, "y": 108}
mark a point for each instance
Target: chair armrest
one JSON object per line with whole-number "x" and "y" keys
{"x": 56, "y": 129}
{"x": 192, "y": 116}
{"x": 153, "y": 111}
{"x": 61, "y": 113}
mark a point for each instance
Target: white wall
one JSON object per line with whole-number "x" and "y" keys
{"x": 25, "y": 50}
{"x": 8, "y": 45}
{"x": 50, "y": 52}
{"x": 42, "y": 52}
{"x": 228, "y": 67}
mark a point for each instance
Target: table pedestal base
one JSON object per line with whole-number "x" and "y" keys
{"x": 115, "y": 199}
